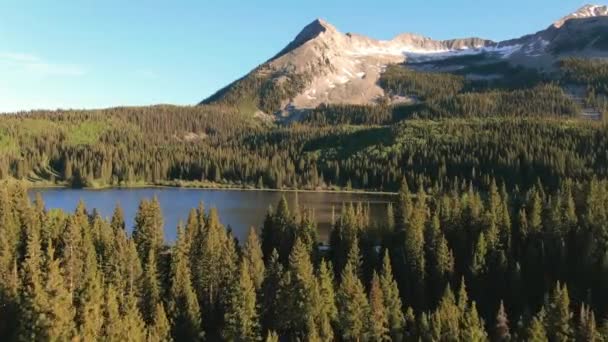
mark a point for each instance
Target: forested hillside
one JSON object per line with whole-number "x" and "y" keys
{"x": 83, "y": 149}
{"x": 449, "y": 135}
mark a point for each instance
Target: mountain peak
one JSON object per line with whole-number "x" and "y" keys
{"x": 587, "y": 11}
{"x": 309, "y": 32}
{"x": 314, "y": 29}
{"x": 323, "y": 65}
{"x": 323, "y": 23}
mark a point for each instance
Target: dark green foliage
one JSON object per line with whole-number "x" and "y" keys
{"x": 148, "y": 230}
{"x": 580, "y": 37}
{"x": 557, "y": 308}
{"x": 378, "y": 320}
{"x": 353, "y": 306}
{"x": 392, "y": 300}
{"x": 509, "y": 91}
{"x": 543, "y": 100}
{"x": 327, "y": 312}
{"x": 399, "y": 80}
{"x": 252, "y": 252}
{"x": 381, "y": 114}
{"x": 512, "y": 150}
{"x": 299, "y": 295}
{"x": 241, "y": 314}
{"x": 529, "y": 249}
{"x": 261, "y": 89}
{"x": 587, "y": 72}
{"x": 183, "y": 304}
{"x": 502, "y": 75}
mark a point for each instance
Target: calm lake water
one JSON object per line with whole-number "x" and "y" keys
{"x": 238, "y": 209}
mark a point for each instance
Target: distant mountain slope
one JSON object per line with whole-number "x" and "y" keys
{"x": 323, "y": 65}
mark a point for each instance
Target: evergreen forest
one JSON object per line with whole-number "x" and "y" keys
{"x": 498, "y": 230}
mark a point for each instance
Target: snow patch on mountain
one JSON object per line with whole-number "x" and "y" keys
{"x": 587, "y": 11}
{"x": 345, "y": 68}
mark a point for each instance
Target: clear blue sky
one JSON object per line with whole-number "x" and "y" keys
{"x": 91, "y": 54}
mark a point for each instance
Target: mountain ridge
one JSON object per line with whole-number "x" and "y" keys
{"x": 323, "y": 65}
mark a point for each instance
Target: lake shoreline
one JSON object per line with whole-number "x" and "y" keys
{"x": 239, "y": 209}
{"x": 38, "y": 186}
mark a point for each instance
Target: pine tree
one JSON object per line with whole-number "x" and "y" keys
{"x": 269, "y": 235}
{"x": 478, "y": 264}
{"x": 344, "y": 236}
{"x": 501, "y": 329}
{"x": 272, "y": 337}
{"x": 183, "y": 305}
{"x": 105, "y": 246}
{"x": 524, "y": 229}
{"x": 353, "y": 307}
{"x": 536, "y": 331}
{"x": 463, "y": 297}
{"x": 493, "y": 216}
{"x": 150, "y": 297}
{"x": 327, "y": 310}
{"x": 448, "y": 316}
{"x": 505, "y": 219}
{"x": 255, "y": 258}
{"x": 60, "y": 312}
{"x": 306, "y": 231}
{"x": 425, "y": 331}
{"x": 557, "y": 308}
{"x": 193, "y": 226}
{"x": 118, "y": 220}
{"x": 534, "y": 210}
{"x": 272, "y": 307}
{"x": 208, "y": 248}
{"x": 378, "y": 318}
{"x": 473, "y": 329}
{"x": 113, "y": 328}
{"x": 131, "y": 269}
{"x": 440, "y": 258}
{"x": 148, "y": 231}
{"x": 9, "y": 245}
{"x": 404, "y": 206}
{"x": 89, "y": 314}
{"x": 72, "y": 251}
{"x": 587, "y": 329}
{"x": 241, "y": 318}
{"x": 354, "y": 257}
{"x": 569, "y": 206}
{"x": 392, "y": 299}
{"x": 277, "y": 231}
{"x": 230, "y": 265}
{"x": 34, "y": 301}
{"x": 299, "y": 293}
{"x": 133, "y": 326}
{"x": 160, "y": 330}
{"x": 414, "y": 251}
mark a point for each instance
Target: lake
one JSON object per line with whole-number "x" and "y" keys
{"x": 237, "y": 209}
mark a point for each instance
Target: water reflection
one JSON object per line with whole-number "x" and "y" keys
{"x": 237, "y": 209}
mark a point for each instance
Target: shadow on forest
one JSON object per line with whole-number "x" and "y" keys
{"x": 348, "y": 143}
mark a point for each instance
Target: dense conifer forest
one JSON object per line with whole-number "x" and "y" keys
{"x": 498, "y": 230}
{"x": 528, "y": 133}
{"x": 469, "y": 264}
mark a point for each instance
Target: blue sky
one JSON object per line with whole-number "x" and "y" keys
{"x": 92, "y": 54}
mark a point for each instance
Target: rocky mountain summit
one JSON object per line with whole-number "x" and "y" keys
{"x": 324, "y": 65}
